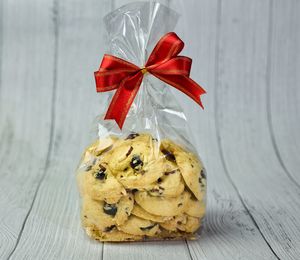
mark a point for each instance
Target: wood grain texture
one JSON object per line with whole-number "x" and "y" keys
{"x": 229, "y": 232}
{"x": 243, "y": 133}
{"x": 283, "y": 85}
{"x": 26, "y": 88}
{"x": 245, "y": 54}
{"x": 53, "y": 229}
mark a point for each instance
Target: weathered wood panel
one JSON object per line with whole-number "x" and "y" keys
{"x": 53, "y": 229}
{"x": 283, "y": 85}
{"x": 242, "y": 125}
{"x": 26, "y": 90}
{"x": 246, "y": 56}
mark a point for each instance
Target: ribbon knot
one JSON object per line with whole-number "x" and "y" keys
{"x": 163, "y": 63}
{"x": 144, "y": 70}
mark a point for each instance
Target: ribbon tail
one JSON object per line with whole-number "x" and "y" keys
{"x": 123, "y": 98}
{"x": 185, "y": 85}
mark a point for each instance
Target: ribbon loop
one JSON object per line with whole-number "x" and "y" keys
{"x": 163, "y": 63}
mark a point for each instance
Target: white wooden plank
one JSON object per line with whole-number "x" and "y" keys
{"x": 242, "y": 124}
{"x": 229, "y": 232}
{"x": 284, "y": 85}
{"x": 53, "y": 229}
{"x": 27, "y": 53}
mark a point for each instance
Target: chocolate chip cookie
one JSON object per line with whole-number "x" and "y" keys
{"x": 136, "y": 188}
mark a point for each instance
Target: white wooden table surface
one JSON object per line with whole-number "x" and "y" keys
{"x": 247, "y": 56}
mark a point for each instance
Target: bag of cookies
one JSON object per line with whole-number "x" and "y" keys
{"x": 141, "y": 178}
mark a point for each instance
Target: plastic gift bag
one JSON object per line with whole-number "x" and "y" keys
{"x": 141, "y": 178}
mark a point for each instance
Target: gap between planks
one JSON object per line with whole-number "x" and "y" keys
{"x": 218, "y": 136}
{"x": 55, "y": 11}
{"x": 268, "y": 97}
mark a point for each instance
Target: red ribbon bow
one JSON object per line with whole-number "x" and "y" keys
{"x": 163, "y": 63}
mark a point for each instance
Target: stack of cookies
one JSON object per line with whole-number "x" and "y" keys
{"x": 138, "y": 188}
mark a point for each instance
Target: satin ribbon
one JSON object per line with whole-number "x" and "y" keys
{"x": 163, "y": 63}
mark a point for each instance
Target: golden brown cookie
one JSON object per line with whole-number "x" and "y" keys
{"x": 104, "y": 215}
{"x": 192, "y": 224}
{"x": 141, "y": 213}
{"x": 113, "y": 235}
{"x": 189, "y": 165}
{"x": 131, "y": 153}
{"x": 100, "y": 184}
{"x": 92, "y": 214}
{"x": 170, "y": 184}
{"x": 140, "y": 227}
{"x": 124, "y": 208}
{"x": 162, "y": 206}
{"x": 195, "y": 208}
{"x": 173, "y": 224}
{"x": 93, "y": 151}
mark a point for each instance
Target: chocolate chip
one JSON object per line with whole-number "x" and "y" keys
{"x": 100, "y": 175}
{"x": 147, "y": 228}
{"x": 203, "y": 175}
{"x": 85, "y": 216}
{"x": 179, "y": 222}
{"x": 129, "y": 151}
{"x": 110, "y": 209}
{"x": 134, "y": 191}
{"x": 132, "y": 136}
{"x": 179, "y": 204}
{"x": 170, "y": 172}
{"x": 136, "y": 162}
{"x": 159, "y": 180}
{"x": 154, "y": 190}
{"x": 88, "y": 168}
{"x": 107, "y": 229}
{"x": 168, "y": 155}
{"x": 192, "y": 165}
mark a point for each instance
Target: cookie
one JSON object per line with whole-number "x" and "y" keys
{"x": 173, "y": 224}
{"x": 149, "y": 174}
{"x": 195, "y": 208}
{"x": 140, "y": 227}
{"x": 183, "y": 223}
{"x": 135, "y": 162}
{"x": 104, "y": 215}
{"x": 113, "y": 235}
{"x": 190, "y": 167}
{"x": 101, "y": 145}
{"x": 170, "y": 184}
{"x": 93, "y": 215}
{"x": 141, "y": 213}
{"x": 124, "y": 208}
{"x": 137, "y": 188}
{"x": 94, "y": 150}
{"x": 191, "y": 225}
{"x": 132, "y": 154}
{"x": 162, "y": 206}
{"x": 100, "y": 184}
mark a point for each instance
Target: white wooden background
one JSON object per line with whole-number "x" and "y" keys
{"x": 246, "y": 55}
